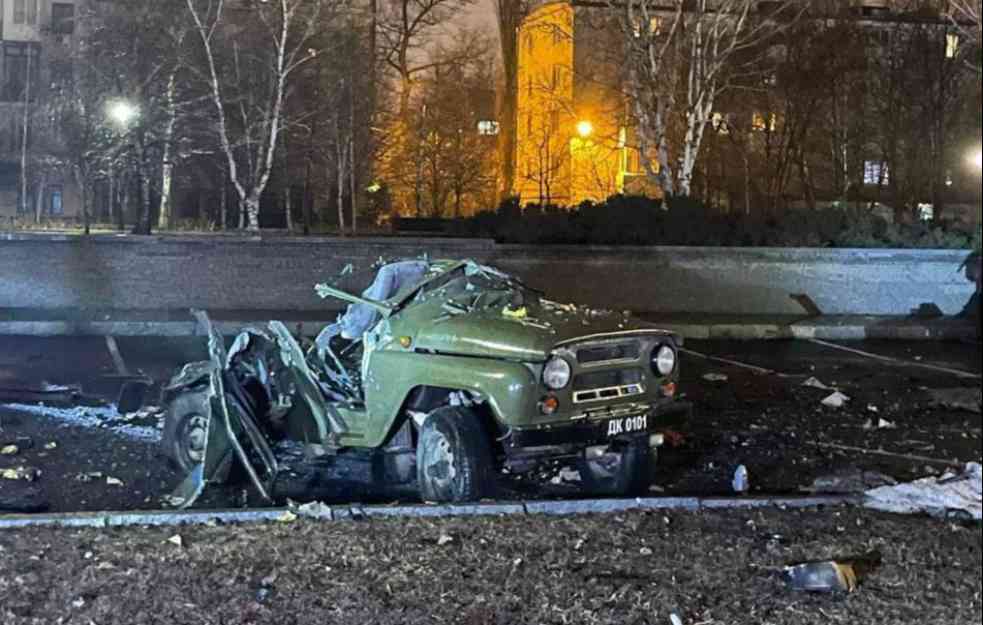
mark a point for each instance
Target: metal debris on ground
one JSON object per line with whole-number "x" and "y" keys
{"x": 831, "y": 576}
{"x": 112, "y": 481}
{"x": 716, "y": 378}
{"x": 287, "y": 517}
{"x": 849, "y": 482}
{"x": 815, "y": 383}
{"x": 444, "y": 540}
{"x": 951, "y": 495}
{"x": 836, "y": 400}
{"x": 176, "y": 540}
{"x": 967, "y": 399}
{"x": 314, "y": 510}
{"x": 9, "y": 450}
{"x": 675, "y": 620}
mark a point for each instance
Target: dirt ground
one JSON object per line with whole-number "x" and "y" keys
{"x": 631, "y": 569}
{"x": 770, "y": 423}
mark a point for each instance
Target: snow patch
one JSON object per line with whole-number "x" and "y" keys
{"x": 105, "y": 418}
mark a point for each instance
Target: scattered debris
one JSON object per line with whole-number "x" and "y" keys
{"x": 949, "y": 495}
{"x": 112, "y": 481}
{"x": 444, "y": 540}
{"x": 873, "y": 408}
{"x": 832, "y": 576}
{"x": 741, "y": 480}
{"x": 315, "y": 510}
{"x": 88, "y": 477}
{"x": 9, "y": 450}
{"x": 645, "y": 551}
{"x": 884, "y": 424}
{"x": 967, "y": 399}
{"x": 815, "y": 383}
{"x": 716, "y": 377}
{"x": 61, "y": 396}
{"x": 836, "y": 400}
{"x": 25, "y": 474}
{"x": 675, "y": 620}
{"x": 176, "y": 540}
{"x": 287, "y": 517}
{"x": 851, "y": 482}
{"x": 51, "y": 446}
{"x": 881, "y": 452}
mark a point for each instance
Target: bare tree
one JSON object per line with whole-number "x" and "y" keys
{"x": 965, "y": 15}
{"x": 681, "y": 56}
{"x": 262, "y": 75}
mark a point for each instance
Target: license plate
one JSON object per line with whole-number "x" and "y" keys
{"x": 629, "y": 425}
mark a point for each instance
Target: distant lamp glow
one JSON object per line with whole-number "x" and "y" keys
{"x": 977, "y": 160}
{"x": 585, "y": 129}
{"x": 121, "y": 112}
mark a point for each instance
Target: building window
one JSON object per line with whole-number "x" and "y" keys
{"x": 487, "y": 128}
{"x": 951, "y": 46}
{"x": 876, "y": 173}
{"x": 56, "y": 206}
{"x": 25, "y": 11}
{"x": 62, "y": 18}
{"x": 18, "y": 60}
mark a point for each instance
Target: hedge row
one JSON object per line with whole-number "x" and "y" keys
{"x": 639, "y": 221}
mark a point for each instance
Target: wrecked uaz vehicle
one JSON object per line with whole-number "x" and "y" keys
{"x": 449, "y": 375}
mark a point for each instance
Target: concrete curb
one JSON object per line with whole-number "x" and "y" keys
{"x": 170, "y": 518}
{"x": 802, "y": 330}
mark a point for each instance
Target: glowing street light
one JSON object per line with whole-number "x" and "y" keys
{"x": 121, "y": 112}
{"x": 977, "y": 160}
{"x": 585, "y": 129}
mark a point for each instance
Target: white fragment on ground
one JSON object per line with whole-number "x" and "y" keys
{"x": 444, "y": 540}
{"x": 716, "y": 377}
{"x": 20, "y": 474}
{"x": 287, "y": 517}
{"x": 315, "y": 510}
{"x": 51, "y": 446}
{"x": 112, "y": 481}
{"x": 176, "y": 540}
{"x": 105, "y": 418}
{"x": 836, "y": 400}
{"x": 967, "y": 399}
{"x": 937, "y": 496}
{"x": 675, "y": 620}
{"x": 10, "y": 450}
{"x": 815, "y": 383}
{"x": 884, "y": 424}
{"x": 741, "y": 481}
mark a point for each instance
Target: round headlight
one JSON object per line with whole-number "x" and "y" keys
{"x": 556, "y": 375}
{"x": 664, "y": 361}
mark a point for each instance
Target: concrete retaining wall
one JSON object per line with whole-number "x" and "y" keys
{"x": 238, "y": 273}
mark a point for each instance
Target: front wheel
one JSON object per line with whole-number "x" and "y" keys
{"x": 185, "y": 435}
{"x": 454, "y": 463}
{"x": 625, "y": 472}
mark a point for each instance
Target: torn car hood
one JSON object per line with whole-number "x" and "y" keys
{"x": 526, "y": 336}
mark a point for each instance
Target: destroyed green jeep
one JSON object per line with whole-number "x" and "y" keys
{"x": 449, "y": 374}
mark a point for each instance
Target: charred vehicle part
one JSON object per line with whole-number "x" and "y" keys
{"x": 447, "y": 374}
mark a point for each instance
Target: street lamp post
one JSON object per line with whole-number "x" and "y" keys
{"x": 121, "y": 112}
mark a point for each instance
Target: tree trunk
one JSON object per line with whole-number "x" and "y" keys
{"x": 223, "y": 217}
{"x": 167, "y": 167}
{"x": 252, "y": 212}
{"x": 25, "y": 135}
{"x": 288, "y": 208}
{"x": 39, "y": 198}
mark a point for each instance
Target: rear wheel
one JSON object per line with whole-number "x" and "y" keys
{"x": 185, "y": 437}
{"x": 625, "y": 472}
{"x": 454, "y": 463}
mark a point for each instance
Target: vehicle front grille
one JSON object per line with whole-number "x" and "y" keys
{"x": 607, "y": 385}
{"x": 595, "y": 354}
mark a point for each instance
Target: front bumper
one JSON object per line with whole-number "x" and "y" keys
{"x": 661, "y": 419}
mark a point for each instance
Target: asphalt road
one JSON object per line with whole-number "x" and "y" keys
{"x": 752, "y": 410}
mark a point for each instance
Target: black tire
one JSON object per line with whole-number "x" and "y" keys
{"x": 632, "y": 476}
{"x": 454, "y": 461}
{"x": 185, "y": 429}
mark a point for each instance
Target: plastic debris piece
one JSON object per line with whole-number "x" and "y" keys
{"x": 112, "y": 481}
{"x": 836, "y": 400}
{"x": 176, "y": 540}
{"x": 675, "y": 620}
{"x": 315, "y": 510}
{"x": 949, "y": 495}
{"x": 716, "y": 377}
{"x": 444, "y": 540}
{"x": 287, "y": 517}
{"x": 884, "y": 424}
{"x": 51, "y": 446}
{"x": 519, "y": 313}
{"x": 20, "y": 474}
{"x": 10, "y": 450}
{"x": 815, "y": 383}
{"x": 741, "y": 481}
{"x": 833, "y": 576}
